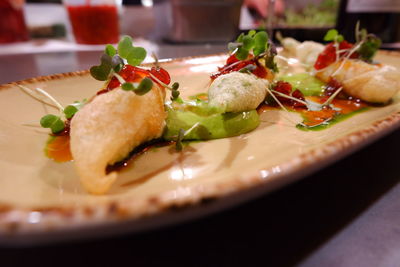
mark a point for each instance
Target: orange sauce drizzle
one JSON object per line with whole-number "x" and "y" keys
{"x": 57, "y": 148}
{"x": 313, "y": 118}
{"x": 346, "y": 106}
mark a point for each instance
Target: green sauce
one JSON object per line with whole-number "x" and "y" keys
{"x": 306, "y": 83}
{"x": 213, "y": 123}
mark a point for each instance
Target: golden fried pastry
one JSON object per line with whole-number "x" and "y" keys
{"x": 371, "y": 83}
{"x": 105, "y": 130}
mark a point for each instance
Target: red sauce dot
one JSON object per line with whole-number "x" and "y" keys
{"x": 161, "y": 74}
{"x": 135, "y": 74}
{"x": 286, "y": 88}
{"x": 328, "y": 56}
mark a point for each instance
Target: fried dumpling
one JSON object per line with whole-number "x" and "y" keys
{"x": 371, "y": 83}
{"x": 105, "y": 130}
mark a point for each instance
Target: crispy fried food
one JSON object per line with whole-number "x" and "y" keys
{"x": 371, "y": 83}
{"x": 105, "y": 130}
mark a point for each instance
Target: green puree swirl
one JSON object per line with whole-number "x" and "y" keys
{"x": 213, "y": 123}
{"x": 306, "y": 83}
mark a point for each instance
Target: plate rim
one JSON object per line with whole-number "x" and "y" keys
{"x": 56, "y": 221}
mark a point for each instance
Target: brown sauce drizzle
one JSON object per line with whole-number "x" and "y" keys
{"x": 136, "y": 152}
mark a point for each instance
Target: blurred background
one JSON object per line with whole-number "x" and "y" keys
{"x": 190, "y": 21}
{"x": 172, "y": 28}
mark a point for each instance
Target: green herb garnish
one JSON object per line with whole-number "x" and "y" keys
{"x": 370, "y": 43}
{"x": 367, "y": 43}
{"x": 174, "y": 92}
{"x": 113, "y": 59}
{"x": 70, "y": 110}
{"x": 53, "y": 122}
{"x": 257, "y": 43}
{"x": 141, "y": 88}
{"x": 252, "y": 41}
{"x": 333, "y": 36}
{"x": 179, "y": 139}
{"x": 133, "y": 55}
{"x": 102, "y": 71}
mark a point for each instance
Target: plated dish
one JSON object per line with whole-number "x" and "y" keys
{"x": 46, "y": 197}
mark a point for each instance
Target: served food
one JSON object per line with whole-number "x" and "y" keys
{"x": 350, "y": 65}
{"x": 350, "y": 75}
{"x": 130, "y": 110}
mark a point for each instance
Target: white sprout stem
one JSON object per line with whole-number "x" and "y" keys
{"x": 352, "y": 51}
{"x": 290, "y": 97}
{"x": 338, "y": 57}
{"x": 280, "y": 104}
{"x": 276, "y": 99}
{"x": 343, "y": 50}
{"x": 191, "y": 129}
{"x": 156, "y": 61}
{"x": 119, "y": 78}
{"x": 290, "y": 60}
{"x": 231, "y": 65}
{"x": 357, "y": 31}
{"x": 330, "y": 99}
{"x": 36, "y": 95}
{"x": 160, "y": 82}
{"x": 52, "y": 99}
{"x": 31, "y": 124}
{"x": 321, "y": 70}
{"x": 337, "y": 46}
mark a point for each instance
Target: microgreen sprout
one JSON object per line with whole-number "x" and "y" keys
{"x": 367, "y": 44}
{"x": 257, "y": 43}
{"x": 182, "y": 134}
{"x": 156, "y": 61}
{"x": 289, "y": 97}
{"x": 174, "y": 91}
{"x": 311, "y": 105}
{"x": 248, "y": 68}
{"x": 370, "y": 43}
{"x": 179, "y": 139}
{"x": 173, "y": 88}
{"x": 113, "y": 59}
{"x": 53, "y": 122}
{"x": 141, "y": 88}
{"x": 70, "y": 111}
{"x": 333, "y": 36}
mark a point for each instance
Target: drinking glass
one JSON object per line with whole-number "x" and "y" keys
{"x": 94, "y": 21}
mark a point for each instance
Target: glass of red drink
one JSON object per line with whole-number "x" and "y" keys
{"x": 12, "y": 22}
{"x": 94, "y": 21}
